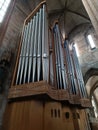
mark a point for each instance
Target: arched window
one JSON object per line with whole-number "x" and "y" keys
{"x": 91, "y": 41}
{"x": 77, "y": 50}
{"x": 3, "y": 8}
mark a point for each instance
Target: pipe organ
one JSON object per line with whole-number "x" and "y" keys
{"x": 47, "y": 82}
{"x": 60, "y": 68}
{"x": 34, "y": 55}
{"x": 74, "y": 71}
{"x": 68, "y": 72}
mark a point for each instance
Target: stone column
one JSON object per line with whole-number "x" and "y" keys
{"x": 95, "y": 95}
{"x": 91, "y": 7}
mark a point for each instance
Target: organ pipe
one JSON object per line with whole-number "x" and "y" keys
{"x": 34, "y": 57}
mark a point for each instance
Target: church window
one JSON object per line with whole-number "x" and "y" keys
{"x": 3, "y": 8}
{"x": 77, "y": 50}
{"x": 91, "y": 41}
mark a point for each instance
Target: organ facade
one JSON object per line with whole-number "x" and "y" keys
{"x": 47, "y": 90}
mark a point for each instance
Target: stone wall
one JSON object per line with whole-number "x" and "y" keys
{"x": 10, "y": 43}
{"x": 14, "y": 28}
{"x": 88, "y": 58}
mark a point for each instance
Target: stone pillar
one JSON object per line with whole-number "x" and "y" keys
{"x": 91, "y": 7}
{"x": 96, "y": 96}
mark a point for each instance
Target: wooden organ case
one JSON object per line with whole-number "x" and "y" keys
{"x": 47, "y": 91}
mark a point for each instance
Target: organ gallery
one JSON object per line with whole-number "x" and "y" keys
{"x": 47, "y": 90}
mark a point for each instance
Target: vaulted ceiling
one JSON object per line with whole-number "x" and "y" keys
{"x": 71, "y": 12}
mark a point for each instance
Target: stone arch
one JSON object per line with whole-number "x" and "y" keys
{"x": 91, "y": 84}
{"x": 91, "y": 72}
{"x": 95, "y": 86}
{"x": 91, "y": 80}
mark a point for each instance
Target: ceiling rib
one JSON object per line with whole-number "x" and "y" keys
{"x": 74, "y": 12}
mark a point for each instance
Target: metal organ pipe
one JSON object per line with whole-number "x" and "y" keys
{"x": 74, "y": 73}
{"x": 58, "y": 63}
{"x": 43, "y": 39}
{"x": 34, "y": 56}
{"x": 39, "y": 48}
{"x": 35, "y": 48}
{"x": 20, "y": 58}
{"x": 79, "y": 74}
{"x": 76, "y": 70}
{"x": 45, "y": 49}
{"x": 25, "y": 76}
{"x": 23, "y": 55}
{"x": 63, "y": 70}
{"x": 60, "y": 68}
{"x": 70, "y": 68}
{"x": 31, "y": 50}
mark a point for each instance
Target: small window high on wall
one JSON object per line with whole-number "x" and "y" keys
{"x": 77, "y": 50}
{"x": 91, "y": 41}
{"x": 3, "y": 8}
